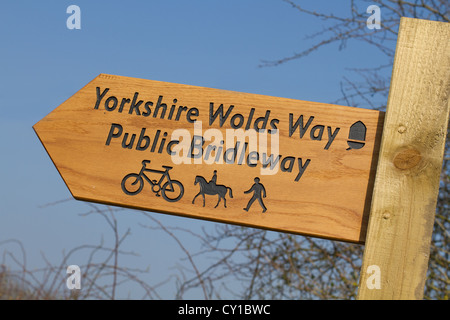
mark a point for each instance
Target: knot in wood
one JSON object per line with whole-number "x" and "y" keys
{"x": 407, "y": 159}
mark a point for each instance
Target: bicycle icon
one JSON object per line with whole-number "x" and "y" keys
{"x": 171, "y": 190}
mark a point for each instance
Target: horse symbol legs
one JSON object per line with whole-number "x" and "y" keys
{"x": 200, "y": 193}
{"x": 224, "y": 201}
{"x": 217, "y": 201}
{"x": 195, "y": 197}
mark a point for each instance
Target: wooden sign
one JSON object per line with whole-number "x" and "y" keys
{"x": 253, "y": 160}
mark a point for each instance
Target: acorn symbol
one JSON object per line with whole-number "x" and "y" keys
{"x": 356, "y": 136}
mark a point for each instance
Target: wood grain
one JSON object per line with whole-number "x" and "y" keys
{"x": 330, "y": 199}
{"x": 410, "y": 162}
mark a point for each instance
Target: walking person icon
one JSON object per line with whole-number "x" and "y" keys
{"x": 258, "y": 190}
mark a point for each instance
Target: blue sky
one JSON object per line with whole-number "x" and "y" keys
{"x": 217, "y": 44}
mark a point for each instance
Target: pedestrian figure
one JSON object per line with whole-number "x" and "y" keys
{"x": 258, "y": 190}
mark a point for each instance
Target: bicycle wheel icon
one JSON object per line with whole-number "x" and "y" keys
{"x": 172, "y": 191}
{"x": 132, "y": 184}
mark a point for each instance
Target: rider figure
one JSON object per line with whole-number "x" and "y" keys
{"x": 212, "y": 182}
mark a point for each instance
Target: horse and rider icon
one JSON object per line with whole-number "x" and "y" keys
{"x": 212, "y": 188}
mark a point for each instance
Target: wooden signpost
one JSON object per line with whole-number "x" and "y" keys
{"x": 279, "y": 164}
{"x": 410, "y": 163}
{"x": 247, "y": 159}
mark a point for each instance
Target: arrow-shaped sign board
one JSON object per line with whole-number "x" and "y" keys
{"x": 246, "y": 159}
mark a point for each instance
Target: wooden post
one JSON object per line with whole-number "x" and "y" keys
{"x": 410, "y": 162}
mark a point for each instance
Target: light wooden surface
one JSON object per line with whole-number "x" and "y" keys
{"x": 410, "y": 163}
{"x": 331, "y": 198}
